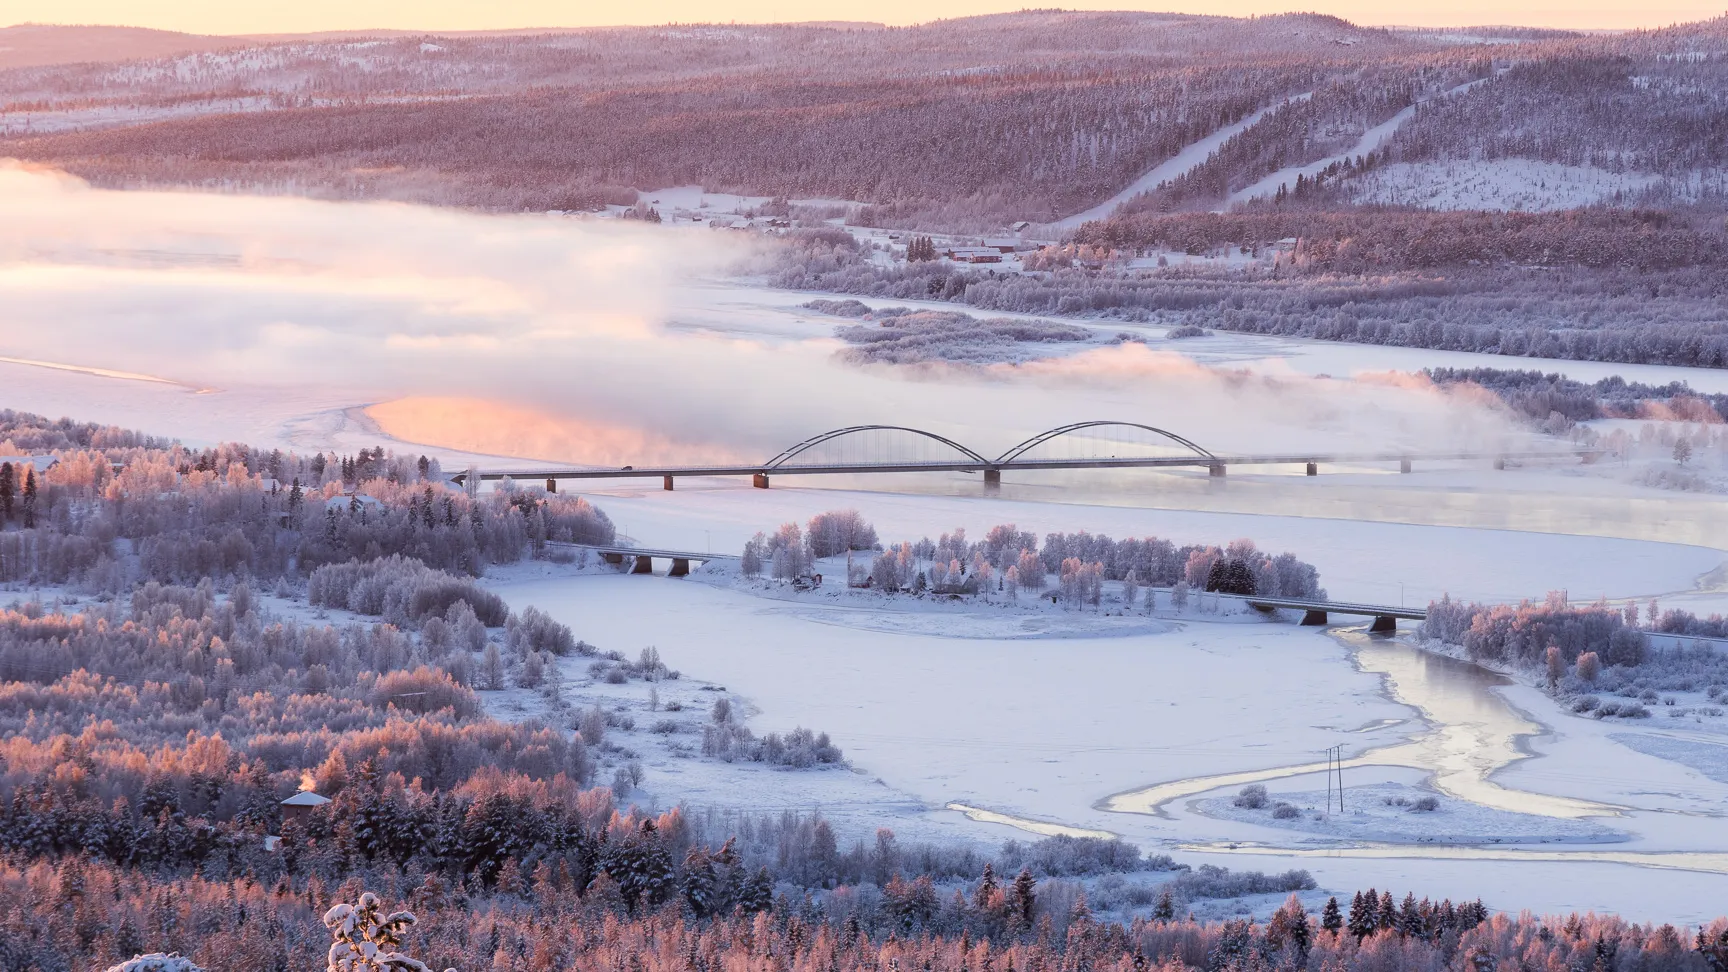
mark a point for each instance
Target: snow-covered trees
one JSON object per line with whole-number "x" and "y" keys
{"x": 1009, "y": 560}
{"x": 1522, "y": 633}
{"x": 366, "y": 941}
{"x": 403, "y": 591}
{"x": 837, "y": 532}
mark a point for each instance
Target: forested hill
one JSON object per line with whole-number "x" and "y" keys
{"x": 962, "y": 125}
{"x": 965, "y": 123}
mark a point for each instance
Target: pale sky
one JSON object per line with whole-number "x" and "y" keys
{"x": 277, "y": 16}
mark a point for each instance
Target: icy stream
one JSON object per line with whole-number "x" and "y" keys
{"x": 1472, "y": 734}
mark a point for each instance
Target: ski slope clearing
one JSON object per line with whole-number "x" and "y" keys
{"x": 1370, "y": 141}
{"x": 1190, "y": 156}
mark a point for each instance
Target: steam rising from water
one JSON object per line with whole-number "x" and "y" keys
{"x": 575, "y": 340}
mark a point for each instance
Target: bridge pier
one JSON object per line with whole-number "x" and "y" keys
{"x": 680, "y": 567}
{"x": 992, "y": 480}
{"x": 615, "y": 559}
{"x": 666, "y": 483}
{"x": 1314, "y": 470}
{"x": 1500, "y": 463}
{"x": 1215, "y": 469}
{"x": 1314, "y": 619}
{"x": 644, "y": 565}
{"x": 1384, "y": 624}
{"x": 551, "y": 485}
{"x": 759, "y": 480}
{"x": 1403, "y": 465}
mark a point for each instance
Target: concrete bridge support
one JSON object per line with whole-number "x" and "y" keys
{"x": 759, "y": 480}
{"x": 1313, "y": 469}
{"x": 615, "y": 559}
{"x": 1216, "y": 469}
{"x": 1403, "y": 465}
{"x": 1384, "y": 625}
{"x": 644, "y": 565}
{"x": 666, "y": 483}
{"x": 1314, "y": 619}
{"x": 680, "y": 567}
{"x": 551, "y": 485}
{"x": 992, "y": 480}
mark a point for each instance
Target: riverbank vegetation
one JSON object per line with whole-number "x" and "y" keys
{"x": 1008, "y": 563}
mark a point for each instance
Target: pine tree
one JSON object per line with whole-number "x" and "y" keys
{"x": 8, "y": 489}
{"x": 1023, "y": 900}
{"x": 29, "y": 496}
{"x": 758, "y": 892}
{"x": 1330, "y": 919}
{"x": 1361, "y": 923}
{"x": 1165, "y": 910}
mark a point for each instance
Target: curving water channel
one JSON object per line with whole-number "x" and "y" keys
{"x": 1473, "y": 734}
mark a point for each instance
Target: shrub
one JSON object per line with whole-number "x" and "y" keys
{"x": 1251, "y": 797}
{"x": 1427, "y": 804}
{"x": 1285, "y": 811}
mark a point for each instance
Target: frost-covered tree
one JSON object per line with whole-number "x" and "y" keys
{"x": 366, "y": 942}
{"x": 839, "y": 531}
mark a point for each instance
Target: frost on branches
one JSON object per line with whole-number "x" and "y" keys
{"x": 366, "y": 943}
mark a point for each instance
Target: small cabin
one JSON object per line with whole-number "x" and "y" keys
{"x": 300, "y": 805}
{"x": 974, "y": 254}
{"x": 347, "y": 501}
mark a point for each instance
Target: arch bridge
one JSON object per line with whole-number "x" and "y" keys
{"x": 866, "y": 449}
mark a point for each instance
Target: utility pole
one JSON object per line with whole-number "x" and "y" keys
{"x": 1340, "y": 763}
{"x": 1335, "y": 765}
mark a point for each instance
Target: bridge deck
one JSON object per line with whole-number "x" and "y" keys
{"x": 646, "y": 551}
{"x": 1112, "y": 462}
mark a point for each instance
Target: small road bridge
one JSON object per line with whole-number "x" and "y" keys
{"x": 1385, "y": 616}
{"x": 867, "y": 449}
{"x": 641, "y": 559}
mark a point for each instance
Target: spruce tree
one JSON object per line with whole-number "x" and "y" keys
{"x": 8, "y": 489}
{"x": 1330, "y": 919}
{"x": 1361, "y": 923}
{"x": 1165, "y": 910}
{"x": 1023, "y": 900}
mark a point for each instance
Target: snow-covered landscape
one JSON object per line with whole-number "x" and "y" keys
{"x": 1327, "y": 496}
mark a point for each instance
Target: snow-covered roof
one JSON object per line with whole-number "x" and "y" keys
{"x": 305, "y": 798}
{"x": 343, "y": 502}
{"x": 42, "y": 463}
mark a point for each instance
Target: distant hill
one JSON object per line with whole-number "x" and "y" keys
{"x": 44, "y": 45}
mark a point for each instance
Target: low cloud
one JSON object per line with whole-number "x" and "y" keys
{"x": 582, "y": 341}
